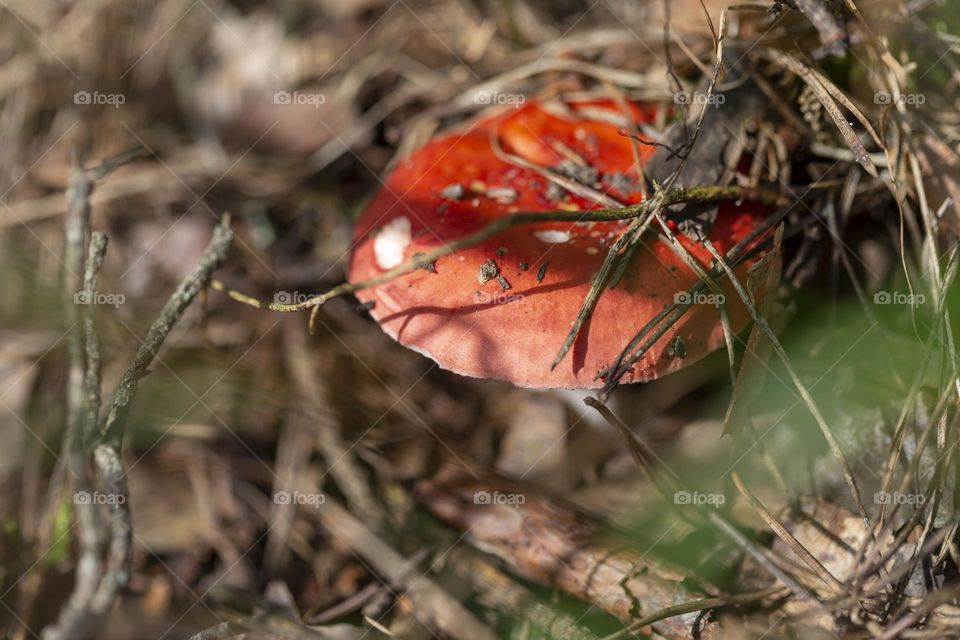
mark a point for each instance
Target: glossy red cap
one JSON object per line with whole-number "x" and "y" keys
{"x": 502, "y": 308}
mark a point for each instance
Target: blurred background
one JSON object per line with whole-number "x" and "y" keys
{"x": 286, "y": 115}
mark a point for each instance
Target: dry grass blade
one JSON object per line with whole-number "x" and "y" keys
{"x": 752, "y": 373}
{"x": 832, "y": 32}
{"x": 824, "y": 574}
{"x": 655, "y": 328}
{"x": 828, "y": 94}
{"x": 627, "y": 240}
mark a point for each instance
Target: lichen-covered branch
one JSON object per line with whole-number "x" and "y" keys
{"x": 684, "y": 195}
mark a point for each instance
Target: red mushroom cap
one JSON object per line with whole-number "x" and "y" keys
{"x": 502, "y": 308}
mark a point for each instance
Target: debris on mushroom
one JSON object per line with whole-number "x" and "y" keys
{"x": 503, "y": 195}
{"x": 677, "y": 348}
{"x": 427, "y": 266}
{"x": 583, "y": 174}
{"x": 488, "y": 271}
{"x": 517, "y": 340}
{"x": 542, "y": 271}
{"x": 453, "y": 191}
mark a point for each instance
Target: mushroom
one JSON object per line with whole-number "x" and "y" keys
{"x": 503, "y": 307}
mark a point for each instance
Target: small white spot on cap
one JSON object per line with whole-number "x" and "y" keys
{"x": 391, "y": 242}
{"x": 552, "y": 236}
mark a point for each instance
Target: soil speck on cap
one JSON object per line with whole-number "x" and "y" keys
{"x": 677, "y": 348}
{"x": 503, "y": 195}
{"x": 453, "y": 191}
{"x": 503, "y": 283}
{"x": 555, "y": 191}
{"x": 501, "y": 251}
{"x": 523, "y": 266}
{"x": 426, "y": 266}
{"x": 621, "y": 182}
{"x": 583, "y": 174}
{"x": 542, "y": 271}
{"x": 488, "y": 271}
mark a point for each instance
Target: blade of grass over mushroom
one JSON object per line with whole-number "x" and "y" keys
{"x": 567, "y": 183}
{"x": 680, "y": 195}
{"x": 685, "y": 255}
{"x": 753, "y": 367}
{"x": 643, "y": 340}
{"x": 728, "y": 338}
{"x": 631, "y": 234}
